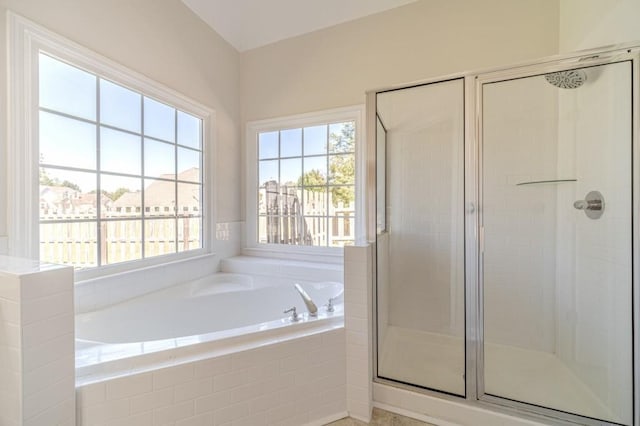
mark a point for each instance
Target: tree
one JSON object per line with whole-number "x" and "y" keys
{"x": 47, "y": 181}
{"x": 313, "y": 180}
{"x": 342, "y": 168}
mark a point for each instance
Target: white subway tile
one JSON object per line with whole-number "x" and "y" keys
{"x": 10, "y": 287}
{"x": 205, "y": 419}
{"x": 104, "y": 412}
{"x": 230, "y": 380}
{"x": 173, "y": 413}
{"x": 152, "y": 400}
{"x": 279, "y": 413}
{"x": 212, "y": 367}
{"x": 263, "y": 371}
{"x": 46, "y": 283}
{"x": 38, "y": 399}
{"x": 42, "y": 308}
{"x": 212, "y": 402}
{"x": 231, "y": 412}
{"x": 142, "y": 419}
{"x": 173, "y": 376}
{"x": 251, "y": 420}
{"x": 37, "y": 332}
{"x": 9, "y": 311}
{"x": 264, "y": 402}
{"x": 91, "y": 394}
{"x": 62, "y": 414}
{"x": 193, "y": 389}
{"x": 247, "y": 392}
{"x": 10, "y": 335}
{"x": 42, "y": 354}
{"x": 356, "y": 324}
{"x": 129, "y": 386}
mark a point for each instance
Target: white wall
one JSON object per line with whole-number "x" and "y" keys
{"x": 335, "y": 66}
{"x": 163, "y": 40}
{"x": 586, "y": 24}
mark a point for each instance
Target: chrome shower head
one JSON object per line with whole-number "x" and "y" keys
{"x": 570, "y": 79}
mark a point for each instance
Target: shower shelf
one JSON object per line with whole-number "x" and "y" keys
{"x": 536, "y": 182}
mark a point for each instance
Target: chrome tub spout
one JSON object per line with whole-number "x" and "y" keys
{"x": 311, "y": 307}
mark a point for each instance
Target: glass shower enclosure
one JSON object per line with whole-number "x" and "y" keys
{"x": 506, "y": 224}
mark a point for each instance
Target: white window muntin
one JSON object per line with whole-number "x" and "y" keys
{"x": 337, "y": 115}
{"x": 26, "y": 41}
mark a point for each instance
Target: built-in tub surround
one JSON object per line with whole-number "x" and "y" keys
{"x": 217, "y": 349}
{"x": 36, "y": 343}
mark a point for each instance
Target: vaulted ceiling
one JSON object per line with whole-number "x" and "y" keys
{"x": 247, "y": 24}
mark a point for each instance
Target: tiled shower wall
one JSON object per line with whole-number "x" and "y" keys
{"x": 295, "y": 383}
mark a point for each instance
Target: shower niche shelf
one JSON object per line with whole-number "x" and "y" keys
{"x": 542, "y": 182}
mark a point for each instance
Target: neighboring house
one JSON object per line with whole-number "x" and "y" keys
{"x": 60, "y": 202}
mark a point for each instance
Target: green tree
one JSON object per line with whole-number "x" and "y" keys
{"x": 342, "y": 168}
{"x": 313, "y": 180}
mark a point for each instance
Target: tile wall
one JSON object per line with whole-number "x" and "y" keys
{"x": 37, "y": 367}
{"x": 297, "y": 382}
{"x": 358, "y": 266}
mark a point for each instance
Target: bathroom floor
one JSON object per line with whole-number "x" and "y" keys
{"x": 381, "y": 418}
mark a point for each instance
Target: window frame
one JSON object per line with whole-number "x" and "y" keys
{"x": 26, "y": 41}
{"x": 328, "y": 254}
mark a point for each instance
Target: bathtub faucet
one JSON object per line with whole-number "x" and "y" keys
{"x": 311, "y": 307}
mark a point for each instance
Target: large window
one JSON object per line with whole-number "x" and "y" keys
{"x": 120, "y": 173}
{"x": 107, "y": 169}
{"x": 304, "y": 182}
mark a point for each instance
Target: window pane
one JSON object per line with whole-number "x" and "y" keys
{"x": 159, "y": 197}
{"x": 159, "y": 120}
{"x": 317, "y": 229}
{"x": 315, "y": 201}
{"x": 342, "y": 137}
{"x": 268, "y": 145}
{"x": 291, "y": 143}
{"x": 159, "y": 159}
{"x": 121, "y": 241}
{"x": 72, "y": 243}
{"x": 289, "y": 201}
{"x": 342, "y": 169}
{"x": 119, "y": 152}
{"x": 315, "y": 140}
{"x": 341, "y": 231}
{"x": 189, "y": 130}
{"x": 341, "y": 199}
{"x": 124, "y": 196}
{"x": 120, "y": 107}
{"x": 188, "y": 165}
{"x": 291, "y": 171}
{"x": 189, "y": 196}
{"x": 160, "y": 236}
{"x": 189, "y": 229}
{"x": 67, "y": 194}
{"x": 67, "y": 142}
{"x": 268, "y": 171}
{"x": 315, "y": 170}
{"x": 66, "y": 89}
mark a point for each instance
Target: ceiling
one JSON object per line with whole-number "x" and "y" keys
{"x": 247, "y": 24}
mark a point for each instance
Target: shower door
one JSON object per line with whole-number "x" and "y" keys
{"x": 420, "y": 236}
{"x": 556, "y": 241}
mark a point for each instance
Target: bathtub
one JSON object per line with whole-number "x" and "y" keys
{"x": 213, "y": 316}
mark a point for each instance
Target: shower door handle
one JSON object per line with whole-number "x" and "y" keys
{"x": 592, "y": 205}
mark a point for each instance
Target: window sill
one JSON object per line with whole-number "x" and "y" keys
{"x": 331, "y": 256}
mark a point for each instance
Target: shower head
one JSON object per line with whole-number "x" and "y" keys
{"x": 570, "y": 79}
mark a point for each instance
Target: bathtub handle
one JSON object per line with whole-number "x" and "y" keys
{"x": 294, "y": 315}
{"x": 329, "y": 305}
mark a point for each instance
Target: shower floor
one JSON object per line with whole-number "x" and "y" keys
{"x": 436, "y": 361}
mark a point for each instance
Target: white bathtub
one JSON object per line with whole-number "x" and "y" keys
{"x": 218, "y": 314}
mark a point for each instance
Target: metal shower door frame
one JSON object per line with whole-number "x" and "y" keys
{"x": 475, "y": 231}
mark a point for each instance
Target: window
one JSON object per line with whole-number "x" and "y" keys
{"x": 303, "y": 180}
{"x": 119, "y": 160}
{"x": 99, "y": 137}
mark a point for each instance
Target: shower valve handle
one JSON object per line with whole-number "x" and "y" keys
{"x": 588, "y": 205}
{"x": 592, "y": 205}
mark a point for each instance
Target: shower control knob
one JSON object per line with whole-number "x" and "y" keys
{"x": 592, "y": 205}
